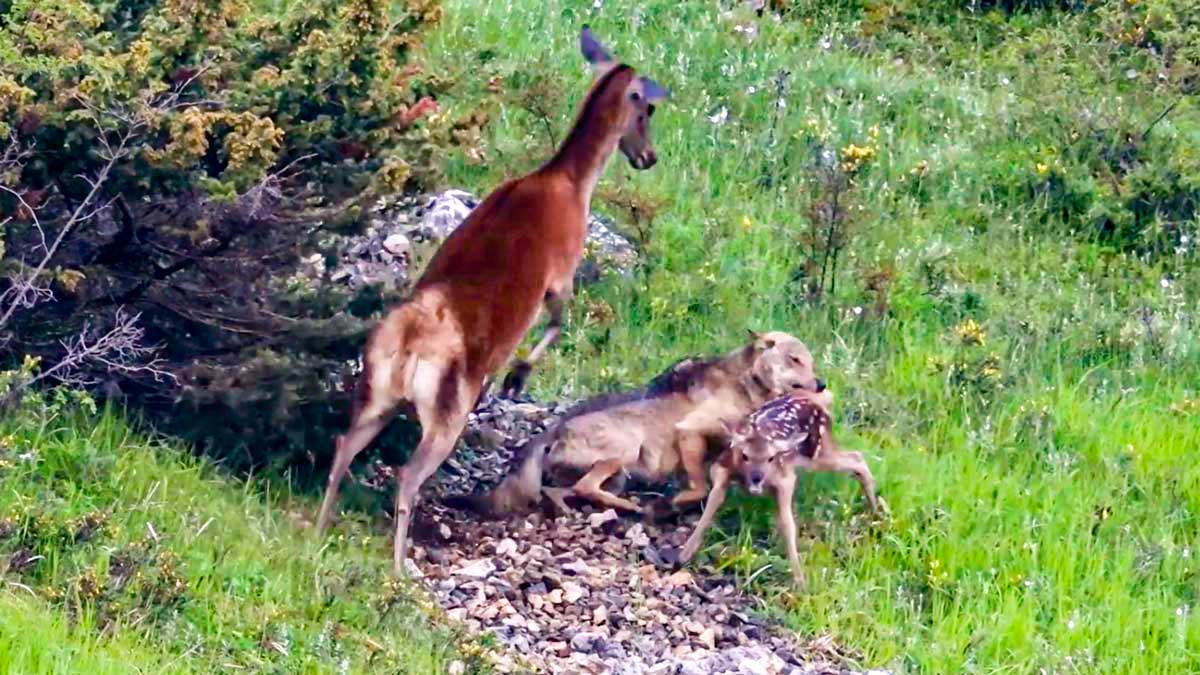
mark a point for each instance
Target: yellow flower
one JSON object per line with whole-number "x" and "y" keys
{"x": 1042, "y": 169}
{"x": 746, "y": 224}
{"x": 970, "y": 332}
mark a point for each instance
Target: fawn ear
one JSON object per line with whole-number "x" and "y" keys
{"x": 594, "y": 52}
{"x": 653, "y": 91}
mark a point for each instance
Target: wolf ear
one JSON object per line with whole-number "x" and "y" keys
{"x": 759, "y": 341}
{"x": 594, "y": 52}
{"x": 729, "y": 429}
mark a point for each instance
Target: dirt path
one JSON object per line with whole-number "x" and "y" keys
{"x": 588, "y": 592}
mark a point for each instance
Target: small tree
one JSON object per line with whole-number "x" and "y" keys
{"x": 173, "y": 160}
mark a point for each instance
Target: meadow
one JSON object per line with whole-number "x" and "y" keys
{"x": 1023, "y": 379}
{"x": 983, "y": 222}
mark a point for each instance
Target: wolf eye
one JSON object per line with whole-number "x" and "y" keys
{"x": 635, "y": 96}
{"x": 650, "y": 110}
{"x": 796, "y": 360}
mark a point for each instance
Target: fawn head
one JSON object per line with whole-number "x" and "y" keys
{"x": 778, "y": 435}
{"x": 637, "y": 103}
{"x": 756, "y": 455}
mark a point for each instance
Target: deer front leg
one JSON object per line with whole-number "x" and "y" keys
{"x": 785, "y": 489}
{"x": 515, "y": 381}
{"x": 716, "y": 497}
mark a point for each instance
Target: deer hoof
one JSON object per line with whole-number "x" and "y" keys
{"x": 516, "y": 378}
{"x": 514, "y": 382}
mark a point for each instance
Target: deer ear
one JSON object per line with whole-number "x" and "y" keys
{"x": 653, "y": 91}
{"x": 594, "y": 52}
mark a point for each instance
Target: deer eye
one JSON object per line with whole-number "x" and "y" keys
{"x": 650, "y": 110}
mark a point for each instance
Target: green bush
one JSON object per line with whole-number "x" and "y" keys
{"x": 190, "y": 152}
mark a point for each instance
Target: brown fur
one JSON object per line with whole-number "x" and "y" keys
{"x": 484, "y": 288}
{"x": 653, "y": 432}
{"x": 766, "y": 448}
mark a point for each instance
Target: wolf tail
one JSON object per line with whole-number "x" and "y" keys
{"x": 521, "y": 489}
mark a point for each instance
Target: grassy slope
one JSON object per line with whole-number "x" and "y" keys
{"x": 1044, "y": 514}
{"x": 231, "y": 585}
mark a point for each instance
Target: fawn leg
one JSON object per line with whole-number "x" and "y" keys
{"x": 716, "y": 497}
{"x": 785, "y": 489}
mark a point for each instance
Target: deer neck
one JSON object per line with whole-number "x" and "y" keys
{"x": 594, "y": 138}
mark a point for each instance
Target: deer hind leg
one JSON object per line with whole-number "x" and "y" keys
{"x": 785, "y": 490}
{"x": 514, "y": 382}
{"x": 441, "y": 395}
{"x": 373, "y": 409}
{"x": 832, "y": 459}
{"x": 716, "y": 497}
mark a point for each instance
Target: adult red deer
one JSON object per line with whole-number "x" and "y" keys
{"x": 483, "y": 290}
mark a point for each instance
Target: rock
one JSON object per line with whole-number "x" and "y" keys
{"x": 752, "y": 666}
{"x": 680, "y": 578}
{"x": 577, "y": 567}
{"x": 598, "y": 520}
{"x": 507, "y": 547}
{"x": 398, "y": 245}
{"x": 587, "y": 642}
{"x": 572, "y": 592}
{"x": 476, "y": 569}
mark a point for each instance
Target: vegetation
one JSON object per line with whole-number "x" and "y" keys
{"x": 175, "y": 162}
{"x": 1010, "y": 327}
{"x": 120, "y": 554}
{"x": 982, "y": 216}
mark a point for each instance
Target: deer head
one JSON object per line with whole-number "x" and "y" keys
{"x": 637, "y": 103}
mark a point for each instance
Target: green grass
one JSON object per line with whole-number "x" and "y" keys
{"x": 1042, "y": 484}
{"x": 1039, "y": 470}
{"x": 153, "y": 562}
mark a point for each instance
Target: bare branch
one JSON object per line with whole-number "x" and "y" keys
{"x": 119, "y": 351}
